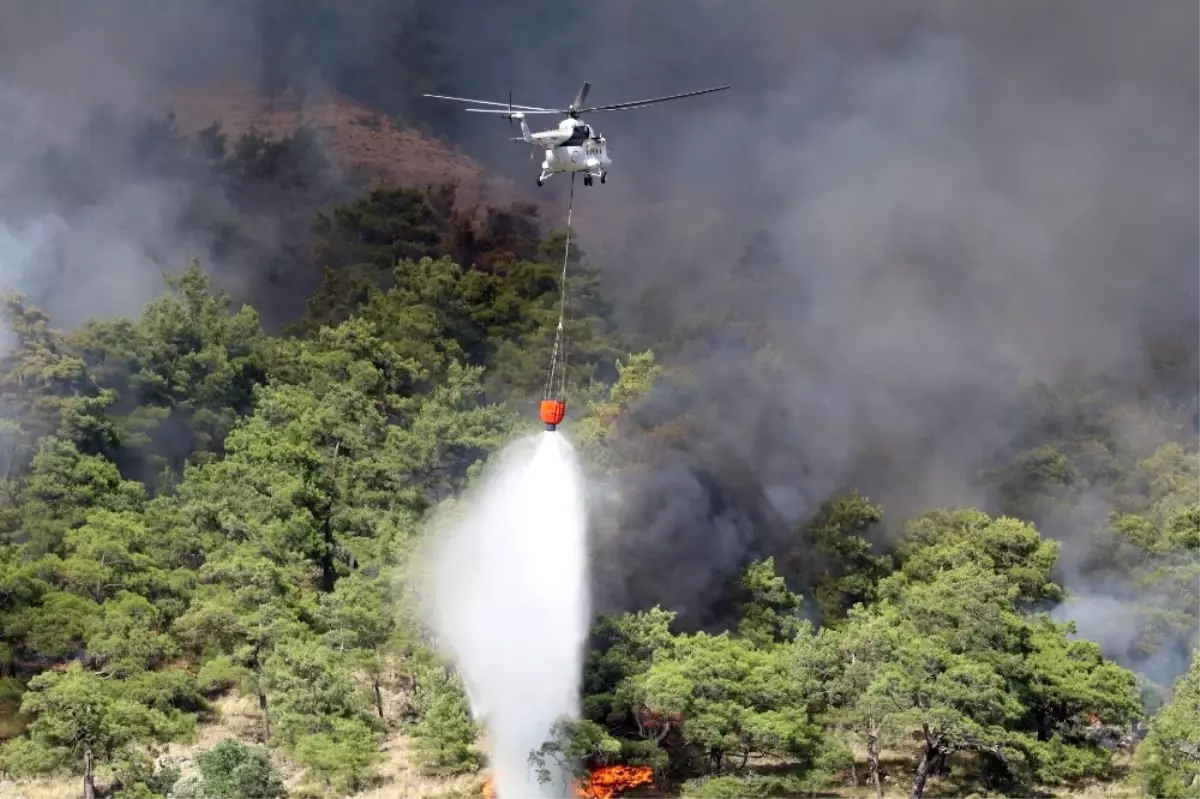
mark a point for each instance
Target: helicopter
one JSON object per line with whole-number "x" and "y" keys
{"x": 573, "y": 146}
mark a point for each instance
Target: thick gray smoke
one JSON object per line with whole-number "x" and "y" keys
{"x": 962, "y": 198}
{"x": 90, "y": 216}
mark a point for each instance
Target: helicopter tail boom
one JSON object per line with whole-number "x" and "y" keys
{"x": 526, "y": 134}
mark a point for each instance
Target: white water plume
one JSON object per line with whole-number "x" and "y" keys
{"x": 510, "y": 602}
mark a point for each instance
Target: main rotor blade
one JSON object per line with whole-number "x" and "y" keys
{"x": 516, "y": 110}
{"x": 641, "y": 103}
{"x": 489, "y": 102}
{"x": 582, "y": 95}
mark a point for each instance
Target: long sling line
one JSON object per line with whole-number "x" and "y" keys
{"x": 560, "y": 336}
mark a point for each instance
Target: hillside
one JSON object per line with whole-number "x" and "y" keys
{"x": 359, "y": 138}
{"x": 269, "y": 569}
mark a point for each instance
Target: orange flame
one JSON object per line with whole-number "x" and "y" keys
{"x": 606, "y": 782}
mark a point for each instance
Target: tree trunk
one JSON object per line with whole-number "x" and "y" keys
{"x": 328, "y": 575}
{"x": 329, "y": 552}
{"x": 1042, "y": 723}
{"x": 262, "y": 705}
{"x": 873, "y": 759}
{"x": 260, "y": 693}
{"x": 938, "y": 769}
{"x": 89, "y": 774}
{"x": 930, "y": 753}
{"x": 922, "y": 775}
{"x": 378, "y": 696}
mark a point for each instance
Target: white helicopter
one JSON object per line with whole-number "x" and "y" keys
{"x": 572, "y": 146}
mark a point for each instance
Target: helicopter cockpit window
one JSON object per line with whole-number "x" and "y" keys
{"x": 579, "y": 135}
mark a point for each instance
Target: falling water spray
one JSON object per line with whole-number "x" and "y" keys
{"x": 510, "y": 603}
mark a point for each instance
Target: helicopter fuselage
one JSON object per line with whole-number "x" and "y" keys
{"x": 571, "y": 147}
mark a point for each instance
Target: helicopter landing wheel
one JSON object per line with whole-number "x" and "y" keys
{"x": 604, "y": 177}
{"x": 539, "y": 181}
{"x": 587, "y": 180}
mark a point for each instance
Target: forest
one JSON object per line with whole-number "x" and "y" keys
{"x": 196, "y": 509}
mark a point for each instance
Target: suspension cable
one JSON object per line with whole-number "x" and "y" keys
{"x": 560, "y": 336}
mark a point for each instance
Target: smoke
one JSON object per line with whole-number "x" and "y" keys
{"x": 961, "y": 199}
{"x": 93, "y": 211}
{"x": 508, "y": 600}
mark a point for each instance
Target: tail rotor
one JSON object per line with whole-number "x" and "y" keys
{"x": 510, "y": 115}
